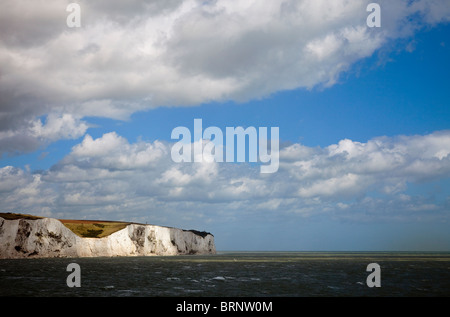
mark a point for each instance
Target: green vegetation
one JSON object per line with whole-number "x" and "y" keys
{"x": 14, "y": 216}
{"x": 199, "y": 233}
{"x": 93, "y": 229}
{"x": 82, "y": 228}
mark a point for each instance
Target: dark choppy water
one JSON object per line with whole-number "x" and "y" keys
{"x": 240, "y": 274}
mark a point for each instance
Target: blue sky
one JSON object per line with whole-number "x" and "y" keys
{"x": 364, "y": 151}
{"x": 406, "y": 94}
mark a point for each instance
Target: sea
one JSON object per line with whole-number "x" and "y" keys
{"x": 232, "y": 275}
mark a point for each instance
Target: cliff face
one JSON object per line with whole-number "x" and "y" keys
{"x": 48, "y": 237}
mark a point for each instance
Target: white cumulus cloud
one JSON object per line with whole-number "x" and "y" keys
{"x": 146, "y": 54}
{"x": 110, "y": 176}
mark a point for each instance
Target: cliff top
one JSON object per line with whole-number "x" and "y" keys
{"x": 15, "y": 216}
{"x": 88, "y": 228}
{"x": 82, "y": 228}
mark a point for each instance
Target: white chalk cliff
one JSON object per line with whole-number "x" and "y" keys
{"x": 48, "y": 237}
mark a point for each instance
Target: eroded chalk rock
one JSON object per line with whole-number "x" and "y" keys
{"x": 48, "y": 237}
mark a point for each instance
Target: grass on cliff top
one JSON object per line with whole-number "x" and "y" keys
{"x": 92, "y": 228}
{"x": 82, "y": 228}
{"x": 15, "y": 216}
